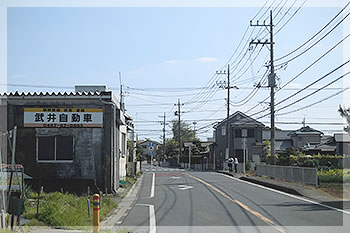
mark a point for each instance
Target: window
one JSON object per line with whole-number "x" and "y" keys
{"x": 123, "y": 144}
{"x": 238, "y": 133}
{"x": 55, "y": 148}
{"x": 251, "y": 133}
{"x": 223, "y": 131}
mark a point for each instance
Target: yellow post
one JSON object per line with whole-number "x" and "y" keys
{"x": 96, "y": 213}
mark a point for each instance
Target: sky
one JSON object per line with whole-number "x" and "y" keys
{"x": 167, "y": 54}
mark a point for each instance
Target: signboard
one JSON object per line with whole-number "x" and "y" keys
{"x": 63, "y": 117}
{"x": 17, "y": 177}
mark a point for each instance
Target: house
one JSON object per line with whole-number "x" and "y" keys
{"x": 282, "y": 139}
{"x": 245, "y": 133}
{"x": 304, "y": 136}
{"x": 201, "y": 158}
{"x": 69, "y": 140}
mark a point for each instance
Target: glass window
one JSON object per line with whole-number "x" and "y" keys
{"x": 238, "y": 133}
{"x": 55, "y": 148}
{"x": 46, "y": 148}
{"x": 251, "y": 133}
{"x": 64, "y": 148}
{"x": 223, "y": 131}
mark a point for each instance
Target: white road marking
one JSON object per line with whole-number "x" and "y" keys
{"x": 153, "y": 183}
{"x": 152, "y": 218}
{"x": 184, "y": 187}
{"x": 175, "y": 177}
{"x": 287, "y": 194}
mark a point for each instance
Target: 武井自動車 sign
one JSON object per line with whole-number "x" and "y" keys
{"x": 63, "y": 117}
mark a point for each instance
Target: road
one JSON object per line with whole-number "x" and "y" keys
{"x": 176, "y": 200}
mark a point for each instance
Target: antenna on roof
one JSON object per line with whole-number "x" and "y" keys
{"x": 304, "y": 123}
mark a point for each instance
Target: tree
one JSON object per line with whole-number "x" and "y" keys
{"x": 345, "y": 113}
{"x": 187, "y": 135}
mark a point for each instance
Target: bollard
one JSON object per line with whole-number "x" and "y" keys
{"x": 96, "y": 213}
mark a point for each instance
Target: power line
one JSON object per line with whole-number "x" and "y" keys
{"x": 311, "y": 38}
{"x": 307, "y": 49}
{"x": 314, "y": 82}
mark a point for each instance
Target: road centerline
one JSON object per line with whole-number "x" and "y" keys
{"x": 245, "y": 207}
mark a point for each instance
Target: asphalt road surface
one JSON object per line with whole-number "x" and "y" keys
{"x": 176, "y": 200}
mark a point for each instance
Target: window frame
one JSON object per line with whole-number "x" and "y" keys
{"x": 55, "y": 160}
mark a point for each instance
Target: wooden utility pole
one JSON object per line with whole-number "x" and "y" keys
{"x": 178, "y": 113}
{"x": 164, "y": 137}
{"x": 227, "y": 86}
{"x": 272, "y": 79}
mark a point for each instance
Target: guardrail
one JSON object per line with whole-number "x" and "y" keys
{"x": 304, "y": 175}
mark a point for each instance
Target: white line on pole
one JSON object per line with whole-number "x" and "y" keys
{"x": 287, "y": 194}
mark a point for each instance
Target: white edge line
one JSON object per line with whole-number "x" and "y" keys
{"x": 287, "y": 194}
{"x": 153, "y": 183}
{"x": 152, "y": 218}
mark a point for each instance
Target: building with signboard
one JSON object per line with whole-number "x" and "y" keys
{"x": 69, "y": 140}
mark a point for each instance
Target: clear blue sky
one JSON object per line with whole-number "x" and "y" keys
{"x": 167, "y": 49}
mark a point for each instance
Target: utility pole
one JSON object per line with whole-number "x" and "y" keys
{"x": 227, "y": 86}
{"x": 164, "y": 137}
{"x": 178, "y": 113}
{"x": 272, "y": 81}
{"x": 194, "y": 128}
{"x": 121, "y": 92}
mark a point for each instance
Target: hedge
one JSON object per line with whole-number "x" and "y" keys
{"x": 319, "y": 161}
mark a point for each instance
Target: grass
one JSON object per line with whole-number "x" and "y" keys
{"x": 63, "y": 210}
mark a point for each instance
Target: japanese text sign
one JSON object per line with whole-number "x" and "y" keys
{"x": 63, "y": 117}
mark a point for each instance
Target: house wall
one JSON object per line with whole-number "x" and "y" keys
{"x": 95, "y": 149}
{"x": 3, "y": 129}
{"x": 342, "y": 148}
{"x": 123, "y": 156}
{"x": 301, "y": 140}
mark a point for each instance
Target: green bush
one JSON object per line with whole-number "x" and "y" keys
{"x": 308, "y": 163}
{"x": 248, "y": 165}
{"x": 331, "y": 176}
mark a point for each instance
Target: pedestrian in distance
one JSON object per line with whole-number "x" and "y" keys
{"x": 236, "y": 164}
{"x": 230, "y": 162}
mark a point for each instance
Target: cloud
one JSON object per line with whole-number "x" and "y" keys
{"x": 206, "y": 59}
{"x": 174, "y": 61}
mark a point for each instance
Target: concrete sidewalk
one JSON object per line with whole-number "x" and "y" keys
{"x": 309, "y": 192}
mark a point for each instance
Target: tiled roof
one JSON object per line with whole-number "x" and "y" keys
{"x": 44, "y": 94}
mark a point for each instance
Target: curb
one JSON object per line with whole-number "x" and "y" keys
{"x": 273, "y": 186}
{"x": 266, "y": 184}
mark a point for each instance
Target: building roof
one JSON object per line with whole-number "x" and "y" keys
{"x": 306, "y": 130}
{"x": 239, "y": 118}
{"x": 51, "y": 94}
{"x": 340, "y": 137}
{"x": 319, "y": 147}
